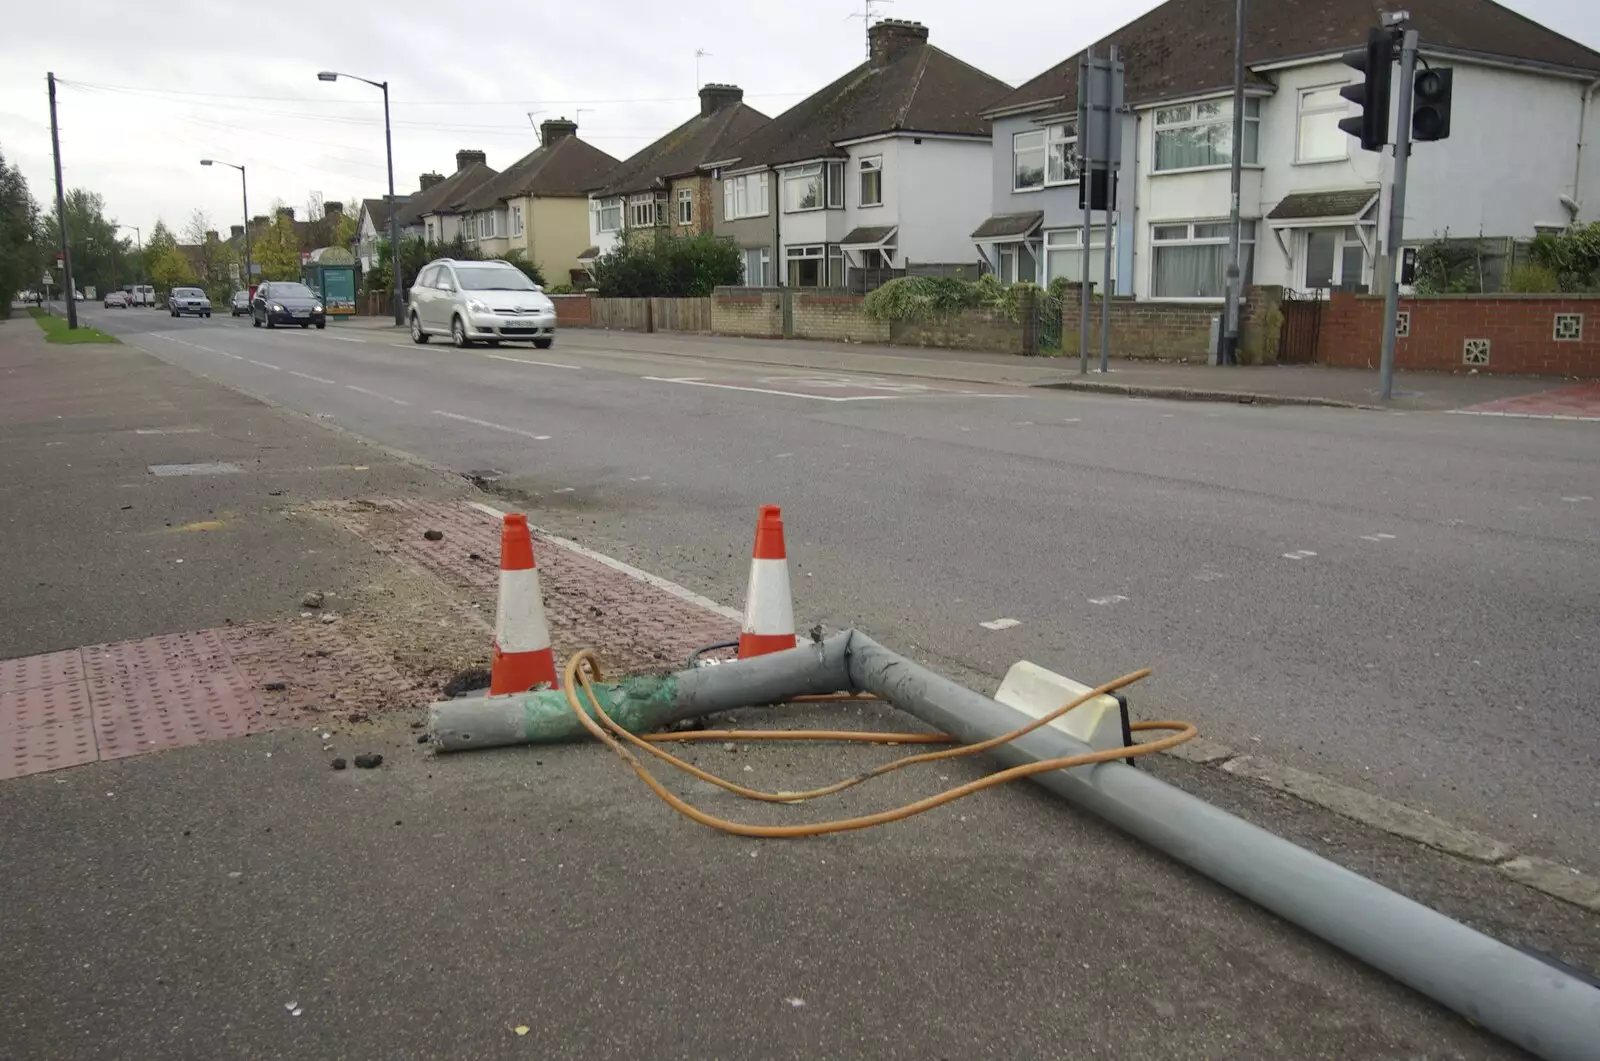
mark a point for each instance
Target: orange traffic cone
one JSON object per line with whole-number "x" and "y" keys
{"x": 522, "y": 655}
{"x": 768, "y": 607}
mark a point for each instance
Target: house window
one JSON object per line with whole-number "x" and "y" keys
{"x": 686, "y": 206}
{"x": 486, "y": 225}
{"x": 835, "y": 265}
{"x": 663, "y": 206}
{"x": 745, "y": 196}
{"x": 430, "y": 231}
{"x": 1190, "y": 259}
{"x": 1201, "y": 134}
{"x": 469, "y": 231}
{"x": 872, "y": 181}
{"x": 806, "y": 265}
{"x": 758, "y": 267}
{"x": 1063, "y": 255}
{"x": 1018, "y": 264}
{"x": 516, "y": 220}
{"x": 1335, "y": 258}
{"x": 610, "y": 215}
{"x": 1027, "y": 158}
{"x": 1319, "y": 138}
{"x": 802, "y": 189}
{"x": 1061, "y": 158}
{"x": 642, "y": 210}
{"x": 836, "y": 186}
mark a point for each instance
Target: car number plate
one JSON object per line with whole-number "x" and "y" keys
{"x": 302, "y": 313}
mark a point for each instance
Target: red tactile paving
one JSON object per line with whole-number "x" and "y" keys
{"x": 30, "y": 672}
{"x": 44, "y": 705}
{"x": 36, "y": 749}
{"x": 1580, "y": 402}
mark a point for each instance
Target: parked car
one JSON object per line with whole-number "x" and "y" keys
{"x": 140, "y": 294}
{"x": 286, "y": 302}
{"x": 490, "y": 301}
{"x": 77, "y": 296}
{"x": 118, "y": 299}
{"x": 183, "y": 300}
{"x": 241, "y": 303}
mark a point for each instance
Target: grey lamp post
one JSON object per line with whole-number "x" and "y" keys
{"x": 394, "y": 209}
{"x": 138, "y": 238}
{"x": 245, "y": 189}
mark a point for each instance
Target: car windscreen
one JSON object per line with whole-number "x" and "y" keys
{"x": 189, "y": 292}
{"x": 291, "y": 291}
{"x": 492, "y": 278}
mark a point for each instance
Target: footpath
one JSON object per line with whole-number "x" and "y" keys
{"x": 1313, "y": 385}
{"x": 209, "y": 599}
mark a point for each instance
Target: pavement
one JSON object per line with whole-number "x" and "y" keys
{"x": 237, "y": 898}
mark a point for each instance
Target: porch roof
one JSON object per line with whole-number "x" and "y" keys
{"x": 1349, "y": 204}
{"x": 1003, "y": 227}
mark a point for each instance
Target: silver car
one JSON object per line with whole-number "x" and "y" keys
{"x": 183, "y": 300}
{"x": 472, "y": 302}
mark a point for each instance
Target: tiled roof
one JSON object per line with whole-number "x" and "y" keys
{"x": 1349, "y": 202}
{"x": 569, "y": 167}
{"x": 1186, "y": 46}
{"x": 378, "y": 210}
{"x": 1003, "y": 226}
{"x": 868, "y": 235}
{"x": 923, "y": 90}
{"x": 703, "y": 138}
{"x": 441, "y": 197}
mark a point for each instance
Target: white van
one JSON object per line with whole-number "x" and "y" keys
{"x": 140, "y": 294}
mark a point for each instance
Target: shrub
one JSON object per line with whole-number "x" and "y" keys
{"x": 920, "y": 298}
{"x": 1573, "y": 256}
{"x": 668, "y": 266}
{"x": 516, "y": 256}
{"x": 1529, "y": 278}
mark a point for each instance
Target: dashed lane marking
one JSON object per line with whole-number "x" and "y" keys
{"x": 1299, "y": 554}
{"x": 771, "y": 390}
{"x": 1377, "y": 537}
{"x": 375, "y": 394}
{"x": 529, "y": 361}
{"x": 1001, "y": 624}
{"x": 314, "y": 379}
{"x": 1115, "y": 598}
{"x": 263, "y": 364}
{"x": 491, "y": 425}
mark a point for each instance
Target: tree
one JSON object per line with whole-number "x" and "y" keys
{"x": 276, "y": 251}
{"x": 415, "y": 252}
{"x": 161, "y": 240}
{"x": 668, "y": 267}
{"x": 169, "y": 268}
{"x": 213, "y": 260}
{"x": 22, "y": 256}
{"x": 518, "y": 257}
{"x": 100, "y": 258}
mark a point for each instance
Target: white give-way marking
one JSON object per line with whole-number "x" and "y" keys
{"x": 491, "y": 425}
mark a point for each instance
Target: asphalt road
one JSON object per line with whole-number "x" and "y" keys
{"x": 1404, "y": 602}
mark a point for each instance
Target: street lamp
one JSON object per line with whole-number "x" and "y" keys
{"x": 244, "y": 188}
{"x": 394, "y": 208}
{"x": 138, "y": 238}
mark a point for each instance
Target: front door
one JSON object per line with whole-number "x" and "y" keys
{"x": 1334, "y": 258}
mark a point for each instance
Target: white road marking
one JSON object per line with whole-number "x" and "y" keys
{"x": 168, "y": 430}
{"x": 236, "y": 357}
{"x": 1299, "y": 554}
{"x": 1377, "y": 537}
{"x": 627, "y": 569}
{"x": 1209, "y": 576}
{"x": 783, "y": 456}
{"x": 566, "y": 490}
{"x": 344, "y": 338}
{"x": 491, "y": 425}
{"x": 264, "y": 364}
{"x": 767, "y": 390}
{"x": 1578, "y": 497}
{"x": 1115, "y": 598}
{"x": 207, "y": 349}
{"x": 526, "y": 361}
{"x": 1525, "y": 416}
{"x": 1001, "y": 624}
{"x": 314, "y": 379}
{"x": 374, "y": 394}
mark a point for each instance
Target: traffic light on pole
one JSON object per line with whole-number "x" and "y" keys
{"x": 1376, "y": 63}
{"x": 1430, "y": 104}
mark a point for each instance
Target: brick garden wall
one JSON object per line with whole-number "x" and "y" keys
{"x": 970, "y": 330}
{"x": 1506, "y": 333}
{"x": 1174, "y": 331}
{"x": 573, "y": 311}
{"x": 756, "y": 312}
{"x": 836, "y": 316}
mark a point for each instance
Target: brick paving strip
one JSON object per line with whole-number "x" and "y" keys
{"x": 1567, "y": 403}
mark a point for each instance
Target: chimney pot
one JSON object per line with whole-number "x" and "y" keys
{"x": 466, "y": 157}
{"x": 428, "y": 180}
{"x": 235, "y": 231}
{"x": 286, "y": 211}
{"x": 894, "y": 37}
{"x": 556, "y": 129}
{"x": 715, "y": 97}
{"x": 333, "y": 208}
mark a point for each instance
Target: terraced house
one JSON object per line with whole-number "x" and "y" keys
{"x": 1518, "y": 159}
{"x": 884, "y": 170}
{"x": 664, "y": 187}
{"x": 434, "y": 213}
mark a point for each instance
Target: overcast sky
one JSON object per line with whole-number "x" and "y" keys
{"x": 154, "y": 87}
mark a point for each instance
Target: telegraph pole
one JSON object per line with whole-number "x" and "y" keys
{"x": 61, "y": 210}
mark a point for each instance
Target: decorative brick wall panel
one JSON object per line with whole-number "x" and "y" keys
{"x": 1520, "y": 331}
{"x": 573, "y": 311}
{"x": 755, "y": 312}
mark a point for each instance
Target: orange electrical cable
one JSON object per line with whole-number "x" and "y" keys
{"x": 584, "y": 667}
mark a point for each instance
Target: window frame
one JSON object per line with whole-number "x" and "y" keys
{"x": 1016, "y": 151}
{"x": 469, "y": 228}
{"x": 1248, "y": 232}
{"x": 642, "y": 210}
{"x": 1301, "y": 113}
{"x": 758, "y": 183}
{"x": 1062, "y": 136}
{"x": 806, "y": 252}
{"x": 486, "y": 224}
{"x": 1223, "y": 119}
{"x": 812, "y": 173}
{"x": 1346, "y": 237}
{"x": 685, "y": 206}
{"x": 834, "y": 272}
{"x": 835, "y": 183}
{"x": 763, "y": 263}
{"x": 614, "y": 203}
{"x": 516, "y": 220}
{"x": 1106, "y": 232}
{"x": 870, "y": 165}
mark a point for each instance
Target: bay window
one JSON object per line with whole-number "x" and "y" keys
{"x": 806, "y": 265}
{"x": 516, "y": 220}
{"x": 1063, "y": 255}
{"x": 802, "y": 189}
{"x": 745, "y": 196}
{"x": 610, "y": 215}
{"x": 1195, "y": 135}
{"x": 1027, "y": 160}
{"x": 1190, "y": 259}
{"x": 642, "y": 210}
{"x": 685, "y": 206}
{"x": 836, "y": 186}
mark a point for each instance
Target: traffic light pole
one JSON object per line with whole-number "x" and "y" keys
{"x": 1397, "y": 212}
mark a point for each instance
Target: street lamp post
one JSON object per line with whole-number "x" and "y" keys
{"x": 394, "y": 208}
{"x": 138, "y": 242}
{"x": 244, "y": 189}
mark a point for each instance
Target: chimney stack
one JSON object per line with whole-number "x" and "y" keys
{"x": 235, "y": 231}
{"x": 556, "y": 129}
{"x": 260, "y": 220}
{"x": 465, "y": 158}
{"x": 715, "y": 97}
{"x": 428, "y": 180}
{"x": 333, "y": 209}
{"x": 286, "y": 211}
{"x": 211, "y": 235}
{"x": 892, "y": 38}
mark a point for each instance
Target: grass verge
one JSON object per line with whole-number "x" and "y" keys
{"x": 56, "y": 330}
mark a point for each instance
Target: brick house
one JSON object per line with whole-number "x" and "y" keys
{"x": 435, "y": 212}
{"x": 663, "y": 188}
{"x": 1312, "y": 202}
{"x": 883, "y": 169}
{"x": 540, "y": 203}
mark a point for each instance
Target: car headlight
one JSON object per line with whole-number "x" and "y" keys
{"x": 316, "y": 307}
{"x": 478, "y": 304}
{"x": 277, "y": 308}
